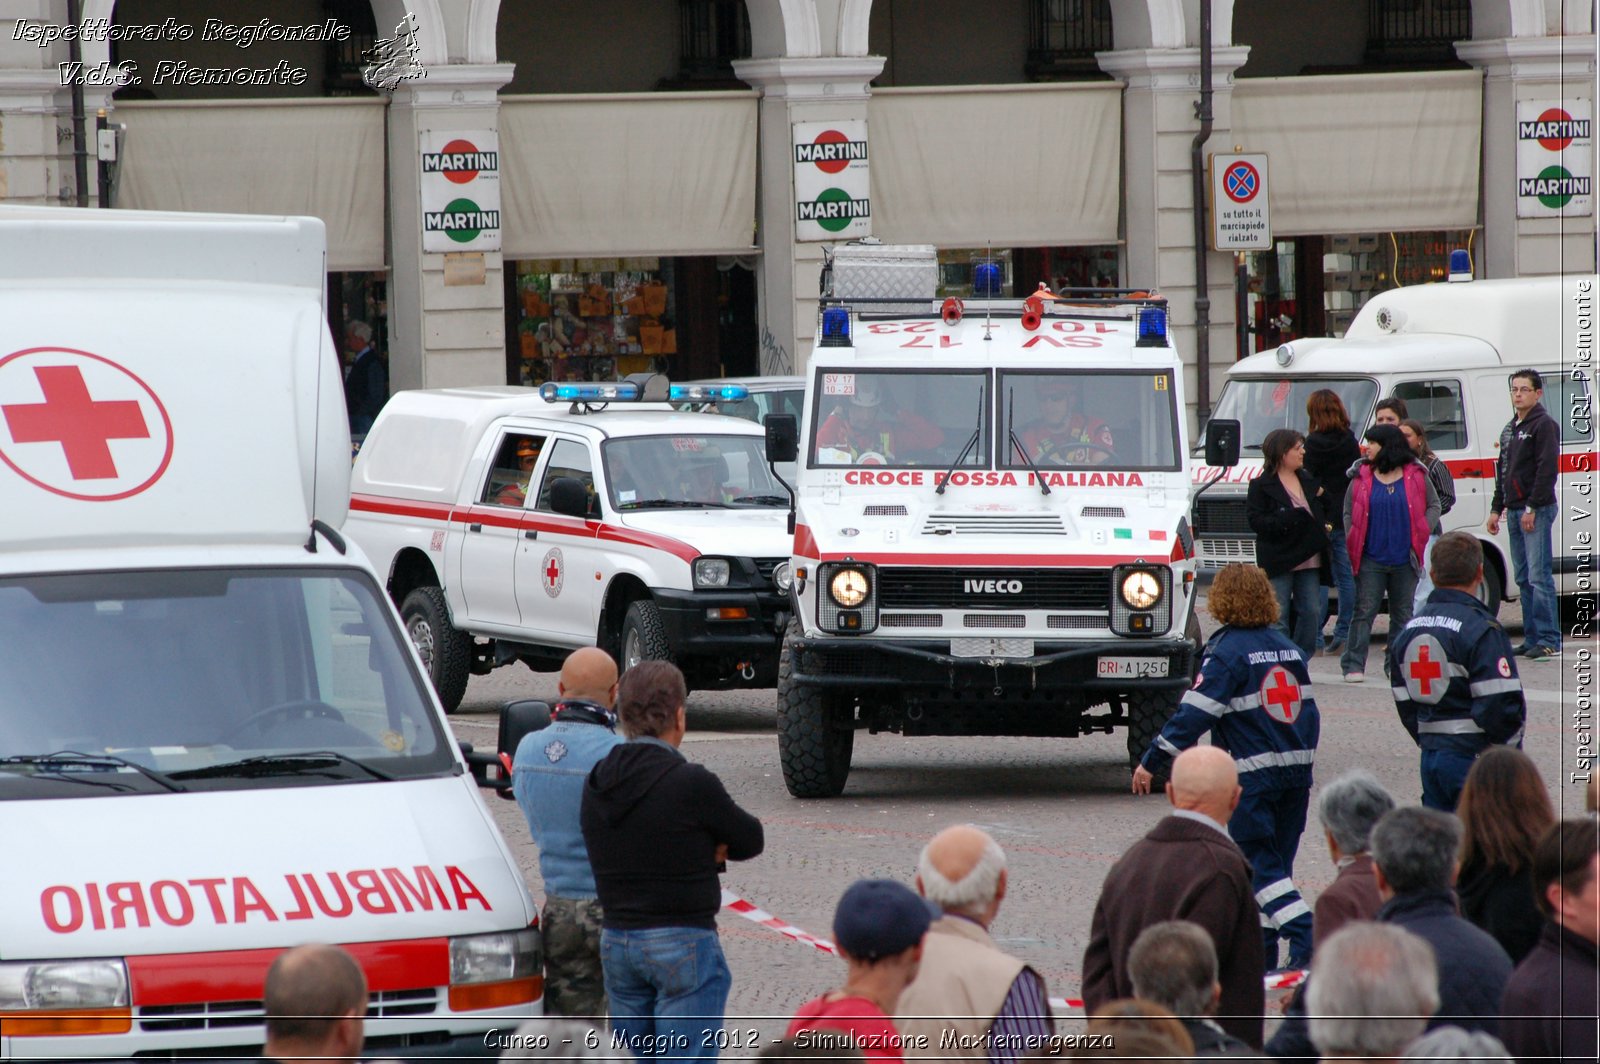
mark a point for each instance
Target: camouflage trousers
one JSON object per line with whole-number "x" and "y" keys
{"x": 573, "y": 982}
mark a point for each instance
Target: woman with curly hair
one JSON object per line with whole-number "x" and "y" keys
{"x": 1253, "y": 694}
{"x": 1389, "y": 512}
{"x": 1504, "y": 809}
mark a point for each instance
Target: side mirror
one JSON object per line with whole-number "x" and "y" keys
{"x": 567, "y": 496}
{"x": 1222, "y": 442}
{"x": 518, "y": 719}
{"x": 783, "y": 437}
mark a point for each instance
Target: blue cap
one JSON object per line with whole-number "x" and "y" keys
{"x": 878, "y": 918}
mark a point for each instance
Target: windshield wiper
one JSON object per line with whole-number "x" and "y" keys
{"x": 972, "y": 441}
{"x": 1011, "y": 431}
{"x": 67, "y": 758}
{"x": 280, "y": 765}
{"x": 673, "y": 504}
{"x": 761, "y": 500}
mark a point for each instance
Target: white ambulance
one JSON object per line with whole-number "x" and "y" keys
{"x": 215, "y": 740}
{"x": 991, "y": 533}
{"x": 1448, "y": 350}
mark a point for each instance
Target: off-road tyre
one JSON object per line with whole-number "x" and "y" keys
{"x": 1149, "y": 711}
{"x": 446, "y": 652}
{"x": 643, "y": 636}
{"x": 1491, "y": 591}
{"x": 815, "y": 734}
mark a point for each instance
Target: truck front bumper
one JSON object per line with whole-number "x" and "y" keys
{"x": 1059, "y": 665}
{"x": 694, "y": 631}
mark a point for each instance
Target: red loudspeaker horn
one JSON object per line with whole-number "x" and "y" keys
{"x": 1032, "y": 313}
{"x": 951, "y": 311}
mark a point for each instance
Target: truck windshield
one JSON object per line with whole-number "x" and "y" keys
{"x": 900, "y": 418}
{"x": 183, "y": 674}
{"x": 1119, "y": 420}
{"x": 689, "y": 472}
{"x": 1262, "y": 404}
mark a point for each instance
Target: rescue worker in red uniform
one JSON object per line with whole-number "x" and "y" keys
{"x": 1253, "y": 694}
{"x": 1064, "y": 435}
{"x": 861, "y": 428}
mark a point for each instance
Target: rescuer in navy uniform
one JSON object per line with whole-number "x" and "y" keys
{"x": 1253, "y": 694}
{"x": 1454, "y": 675}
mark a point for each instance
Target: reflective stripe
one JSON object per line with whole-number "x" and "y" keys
{"x": 1274, "y": 891}
{"x": 1452, "y": 669}
{"x": 1245, "y": 702}
{"x": 1275, "y": 760}
{"x": 1516, "y": 740}
{"x": 1400, "y": 693}
{"x": 1166, "y": 747}
{"x": 1266, "y": 921}
{"x": 1494, "y": 687}
{"x": 1201, "y": 702}
{"x": 1464, "y": 726}
{"x": 1290, "y": 913}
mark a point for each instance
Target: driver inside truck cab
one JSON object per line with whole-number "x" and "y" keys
{"x": 1064, "y": 434}
{"x": 525, "y": 450}
{"x": 873, "y": 436}
{"x": 704, "y": 476}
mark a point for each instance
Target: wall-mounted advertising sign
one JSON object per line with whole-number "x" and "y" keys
{"x": 1555, "y": 158}
{"x": 832, "y": 190}
{"x": 460, "y": 190}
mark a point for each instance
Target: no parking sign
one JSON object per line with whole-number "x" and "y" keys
{"x": 1239, "y": 219}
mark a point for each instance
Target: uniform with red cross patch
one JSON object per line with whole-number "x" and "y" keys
{"x": 550, "y": 571}
{"x": 1423, "y": 670}
{"x": 1281, "y": 695}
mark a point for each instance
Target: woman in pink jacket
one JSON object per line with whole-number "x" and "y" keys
{"x": 1388, "y": 512}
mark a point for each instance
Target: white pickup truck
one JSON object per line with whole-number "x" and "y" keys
{"x": 518, "y": 525}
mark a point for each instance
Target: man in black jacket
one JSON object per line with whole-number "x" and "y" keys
{"x": 1525, "y": 493}
{"x": 657, "y": 828}
{"x": 1174, "y": 964}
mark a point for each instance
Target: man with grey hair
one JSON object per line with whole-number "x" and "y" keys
{"x": 1174, "y": 965}
{"x": 1452, "y": 1043}
{"x": 970, "y": 999}
{"x": 1349, "y": 808}
{"x": 366, "y": 382}
{"x": 1372, "y": 990}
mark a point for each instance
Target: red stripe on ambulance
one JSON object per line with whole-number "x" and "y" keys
{"x": 239, "y": 975}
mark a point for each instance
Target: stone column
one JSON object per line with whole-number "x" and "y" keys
{"x": 1158, "y": 127}
{"x": 440, "y": 336}
{"x": 827, "y": 89}
{"x": 1528, "y": 68}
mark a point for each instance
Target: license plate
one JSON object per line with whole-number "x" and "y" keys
{"x": 1132, "y": 668}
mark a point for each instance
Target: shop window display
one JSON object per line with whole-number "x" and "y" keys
{"x": 592, "y": 319}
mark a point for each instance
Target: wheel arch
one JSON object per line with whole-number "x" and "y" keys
{"x": 412, "y": 569}
{"x": 624, "y": 589}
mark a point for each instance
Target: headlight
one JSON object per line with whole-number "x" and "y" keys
{"x": 711, "y": 572}
{"x": 495, "y": 958}
{"x": 783, "y": 576}
{"x": 1140, "y": 589}
{"x": 96, "y": 984}
{"x": 848, "y": 588}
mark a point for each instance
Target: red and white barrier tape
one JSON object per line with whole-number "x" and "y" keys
{"x": 750, "y": 911}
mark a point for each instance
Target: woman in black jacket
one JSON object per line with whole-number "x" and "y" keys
{"x": 1285, "y": 512}
{"x": 1331, "y": 449}
{"x": 1504, "y": 809}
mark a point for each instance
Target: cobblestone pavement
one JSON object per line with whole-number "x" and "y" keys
{"x": 1059, "y": 807}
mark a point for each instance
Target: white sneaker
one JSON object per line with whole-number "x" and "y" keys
{"x": 1355, "y": 677}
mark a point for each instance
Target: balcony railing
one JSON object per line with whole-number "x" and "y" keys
{"x": 1064, "y": 35}
{"x": 1416, "y": 32}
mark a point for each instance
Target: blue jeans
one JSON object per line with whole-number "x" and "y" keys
{"x": 1444, "y": 773}
{"x": 1530, "y": 563}
{"x": 1345, "y": 580}
{"x": 668, "y": 988}
{"x": 1299, "y": 605}
{"x": 1267, "y": 826}
{"x": 1375, "y": 580}
{"x": 1424, "y": 581}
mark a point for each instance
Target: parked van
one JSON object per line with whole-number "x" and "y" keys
{"x": 215, "y": 740}
{"x": 1449, "y": 351}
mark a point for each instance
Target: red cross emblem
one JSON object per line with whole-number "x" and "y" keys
{"x": 1424, "y": 665}
{"x": 80, "y": 425}
{"x": 550, "y": 571}
{"x": 1280, "y": 695}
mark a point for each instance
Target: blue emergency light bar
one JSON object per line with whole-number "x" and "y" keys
{"x": 707, "y": 393}
{"x": 1460, "y": 265}
{"x": 576, "y": 392}
{"x": 835, "y": 327}
{"x": 988, "y": 277}
{"x": 1152, "y": 327}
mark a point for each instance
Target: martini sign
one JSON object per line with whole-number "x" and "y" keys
{"x": 832, "y": 187}
{"x": 1555, "y": 158}
{"x": 460, "y": 191}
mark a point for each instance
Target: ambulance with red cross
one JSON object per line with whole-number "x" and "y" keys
{"x": 515, "y": 525}
{"x": 215, "y": 740}
{"x": 1448, "y": 350}
{"x": 990, "y": 532}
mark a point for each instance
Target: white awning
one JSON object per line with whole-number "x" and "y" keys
{"x": 628, "y": 174}
{"x": 1006, "y": 165}
{"x": 1365, "y": 152}
{"x": 305, "y": 157}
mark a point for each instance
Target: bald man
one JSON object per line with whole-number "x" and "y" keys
{"x": 316, "y": 1003}
{"x": 1185, "y": 868}
{"x": 995, "y": 1005}
{"x": 547, "y": 777}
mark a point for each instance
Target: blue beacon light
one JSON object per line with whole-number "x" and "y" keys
{"x": 835, "y": 327}
{"x": 1152, "y": 324}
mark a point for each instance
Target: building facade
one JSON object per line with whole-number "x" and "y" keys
{"x": 578, "y": 188}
